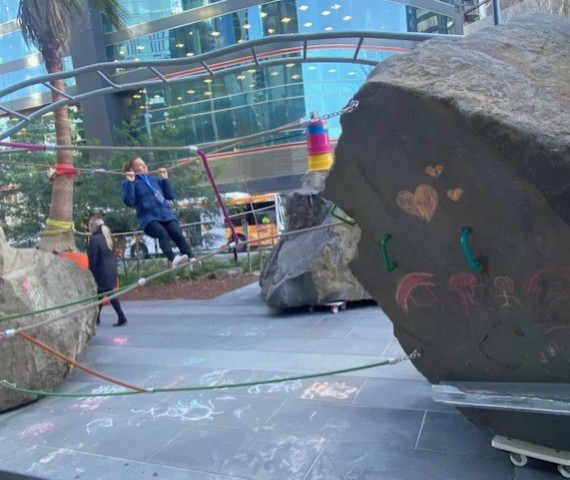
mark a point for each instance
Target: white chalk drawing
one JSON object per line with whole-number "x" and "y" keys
{"x": 256, "y": 331}
{"x": 216, "y": 377}
{"x": 194, "y": 361}
{"x": 283, "y": 387}
{"x": 239, "y": 412}
{"x": 40, "y": 464}
{"x": 98, "y": 424}
{"x": 285, "y": 457}
{"x": 340, "y": 391}
{"x": 93, "y": 403}
{"x": 191, "y": 410}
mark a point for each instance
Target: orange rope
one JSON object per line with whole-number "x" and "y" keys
{"x": 78, "y": 365}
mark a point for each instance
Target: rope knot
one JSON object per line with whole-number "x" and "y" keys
{"x": 63, "y": 170}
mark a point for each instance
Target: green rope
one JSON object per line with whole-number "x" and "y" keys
{"x": 57, "y": 307}
{"x": 14, "y": 387}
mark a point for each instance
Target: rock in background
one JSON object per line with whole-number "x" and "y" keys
{"x": 33, "y": 280}
{"x": 470, "y": 132}
{"x": 311, "y": 267}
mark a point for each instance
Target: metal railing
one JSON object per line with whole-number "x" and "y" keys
{"x": 270, "y": 51}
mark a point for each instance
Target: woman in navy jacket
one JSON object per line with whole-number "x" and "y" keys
{"x": 149, "y": 196}
{"x": 103, "y": 265}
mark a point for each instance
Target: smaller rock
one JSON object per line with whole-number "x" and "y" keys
{"x": 311, "y": 267}
{"x": 32, "y": 280}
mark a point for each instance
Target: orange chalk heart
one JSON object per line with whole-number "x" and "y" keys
{"x": 434, "y": 171}
{"x": 422, "y": 203}
{"x": 455, "y": 194}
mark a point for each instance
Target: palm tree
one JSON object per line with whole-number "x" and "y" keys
{"x": 45, "y": 24}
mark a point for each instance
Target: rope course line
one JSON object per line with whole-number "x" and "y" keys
{"x": 59, "y": 307}
{"x": 350, "y": 106}
{"x": 391, "y": 361}
{"x": 217, "y": 147}
{"x": 110, "y": 295}
{"x": 78, "y": 365}
{"x": 141, "y": 282}
{"x": 10, "y": 333}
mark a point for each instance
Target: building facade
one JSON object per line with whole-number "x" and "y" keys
{"x": 241, "y": 104}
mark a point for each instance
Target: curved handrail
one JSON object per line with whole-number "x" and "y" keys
{"x": 228, "y": 61}
{"x": 473, "y": 263}
{"x": 390, "y": 266}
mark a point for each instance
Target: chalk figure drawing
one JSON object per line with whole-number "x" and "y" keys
{"x": 504, "y": 289}
{"x": 422, "y": 203}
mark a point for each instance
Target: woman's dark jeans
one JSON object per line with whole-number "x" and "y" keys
{"x": 164, "y": 232}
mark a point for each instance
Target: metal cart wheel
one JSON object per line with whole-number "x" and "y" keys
{"x": 518, "y": 459}
{"x": 564, "y": 470}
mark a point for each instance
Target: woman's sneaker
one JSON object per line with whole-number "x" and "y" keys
{"x": 179, "y": 260}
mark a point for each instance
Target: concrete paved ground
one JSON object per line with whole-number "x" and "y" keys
{"x": 378, "y": 423}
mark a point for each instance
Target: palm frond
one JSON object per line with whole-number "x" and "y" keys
{"x": 113, "y": 10}
{"x": 45, "y": 21}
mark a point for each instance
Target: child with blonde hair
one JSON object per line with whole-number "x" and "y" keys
{"x": 103, "y": 265}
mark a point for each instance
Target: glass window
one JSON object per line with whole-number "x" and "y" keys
{"x": 142, "y": 11}
{"x": 421, "y": 20}
{"x": 13, "y": 47}
{"x": 262, "y": 98}
{"x": 8, "y": 10}
{"x": 11, "y": 78}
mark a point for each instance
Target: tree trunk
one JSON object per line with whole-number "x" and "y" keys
{"x": 61, "y": 208}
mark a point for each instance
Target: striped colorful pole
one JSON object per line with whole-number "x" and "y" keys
{"x": 319, "y": 146}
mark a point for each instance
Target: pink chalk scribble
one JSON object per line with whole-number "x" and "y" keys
{"x": 531, "y": 285}
{"x": 26, "y": 285}
{"x": 121, "y": 340}
{"x": 37, "y": 429}
{"x": 89, "y": 404}
{"x": 465, "y": 285}
{"x": 414, "y": 281}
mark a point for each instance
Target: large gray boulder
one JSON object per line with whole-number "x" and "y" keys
{"x": 32, "y": 280}
{"x": 470, "y": 132}
{"x": 311, "y": 267}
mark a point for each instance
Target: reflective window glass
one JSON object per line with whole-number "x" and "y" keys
{"x": 13, "y": 47}
{"x": 142, "y": 11}
{"x": 275, "y": 18}
{"x": 8, "y": 10}
{"x": 12, "y": 78}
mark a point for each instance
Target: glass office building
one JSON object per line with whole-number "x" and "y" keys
{"x": 19, "y": 62}
{"x": 256, "y": 99}
{"x": 245, "y": 103}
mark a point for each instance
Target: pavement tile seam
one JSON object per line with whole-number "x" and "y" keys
{"x": 420, "y": 430}
{"x": 317, "y": 458}
{"x": 275, "y": 413}
{"x": 183, "y": 471}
